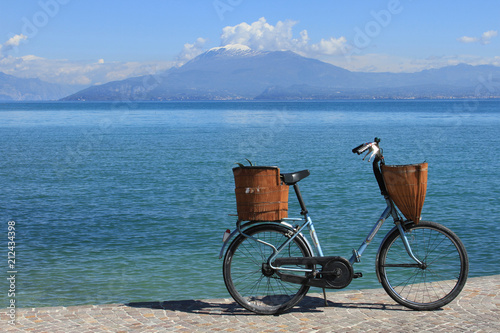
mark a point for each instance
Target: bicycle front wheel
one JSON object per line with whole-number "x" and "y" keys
{"x": 250, "y": 280}
{"x": 434, "y": 284}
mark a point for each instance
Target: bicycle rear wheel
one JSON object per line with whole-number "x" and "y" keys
{"x": 442, "y": 276}
{"x": 248, "y": 278}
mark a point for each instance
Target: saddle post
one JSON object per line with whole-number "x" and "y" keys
{"x": 303, "y": 209}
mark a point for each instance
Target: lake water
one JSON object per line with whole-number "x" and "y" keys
{"x": 122, "y": 202}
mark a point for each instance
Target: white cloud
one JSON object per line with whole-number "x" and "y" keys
{"x": 74, "y": 72}
{"x": 77, "y": 72}
{"x": 262, "y": 36}
{"x": 190, "y": 51}
{"x": 330, "y": 46}
{"x": 484, "y": 39}
{"x": 378, "y": 62}
{"x": 11, "y": 43}
{"x": 466, "y": 39}
{"x": 15, "y": 40}
{"x": 488, "y": 35}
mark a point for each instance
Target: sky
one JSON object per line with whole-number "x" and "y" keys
{"x": 89, "y": 42}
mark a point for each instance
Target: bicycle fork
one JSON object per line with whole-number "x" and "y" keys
{"x": 407, "y": 245}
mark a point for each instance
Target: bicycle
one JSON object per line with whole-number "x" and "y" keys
{"x": 269, "y": 266}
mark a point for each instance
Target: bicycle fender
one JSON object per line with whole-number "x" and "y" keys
{"x": 228, "y": 240}
{"x": 236, "y": 231}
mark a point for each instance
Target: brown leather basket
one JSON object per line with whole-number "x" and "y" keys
{"x": 260, "y": 194}
{"x": 407, "y": 186}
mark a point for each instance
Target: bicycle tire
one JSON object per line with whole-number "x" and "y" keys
{"x": 249, "y": 283}
{"x": 432, "y": 286}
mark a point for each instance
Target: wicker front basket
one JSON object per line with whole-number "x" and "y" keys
{"x": 260, "y": 196}
{"x": 407, "y": 186}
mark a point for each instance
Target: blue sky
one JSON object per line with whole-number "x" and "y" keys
{"x": 92, "y": 42}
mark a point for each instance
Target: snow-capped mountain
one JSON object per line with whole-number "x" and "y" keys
{"x": 231, "y": 50}
{"x": 231, "y": 72}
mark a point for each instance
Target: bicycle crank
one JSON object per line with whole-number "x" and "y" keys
{"x": 336, "y": 272}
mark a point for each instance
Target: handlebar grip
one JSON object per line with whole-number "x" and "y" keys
{"x": 359, "y": 149}
{"x": 355, "y": 150}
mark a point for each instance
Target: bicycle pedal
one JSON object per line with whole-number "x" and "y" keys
{"x": 357, "y": 275}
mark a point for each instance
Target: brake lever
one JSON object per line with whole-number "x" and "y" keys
{"x": 373, "y": 150}
{"x": 368, "y": 153}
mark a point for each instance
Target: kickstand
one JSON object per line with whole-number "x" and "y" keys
{"x": 324, "y": 295}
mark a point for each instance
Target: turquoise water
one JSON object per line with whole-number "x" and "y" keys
{"x": 122, "y": 202}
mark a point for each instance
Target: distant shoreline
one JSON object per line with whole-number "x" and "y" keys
{"x": 186, "y": 101}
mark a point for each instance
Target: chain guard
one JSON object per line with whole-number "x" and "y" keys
{"x": 336, "y": 272}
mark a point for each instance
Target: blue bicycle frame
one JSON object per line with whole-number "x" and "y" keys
{"x": 308, "y": 223}
{"x": 390, "y": 210}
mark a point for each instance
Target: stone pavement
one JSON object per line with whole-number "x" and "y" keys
{"x": 475, "y": 310}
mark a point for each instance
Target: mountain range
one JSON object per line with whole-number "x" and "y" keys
{"x": 236, "y": 72}
{"x": 20, "y": 89}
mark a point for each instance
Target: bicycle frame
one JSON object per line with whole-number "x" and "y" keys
{"x": 308, "y": 224}
{"x": 390, "y": 210}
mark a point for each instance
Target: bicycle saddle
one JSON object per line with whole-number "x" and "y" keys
{"x": 293, "y": 177}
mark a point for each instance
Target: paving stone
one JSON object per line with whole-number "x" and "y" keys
{"x": 476, "y": 309}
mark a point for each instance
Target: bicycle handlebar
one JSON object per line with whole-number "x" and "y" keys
{"x": 376, "y": 152}
{"x": 372, "y": 148}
